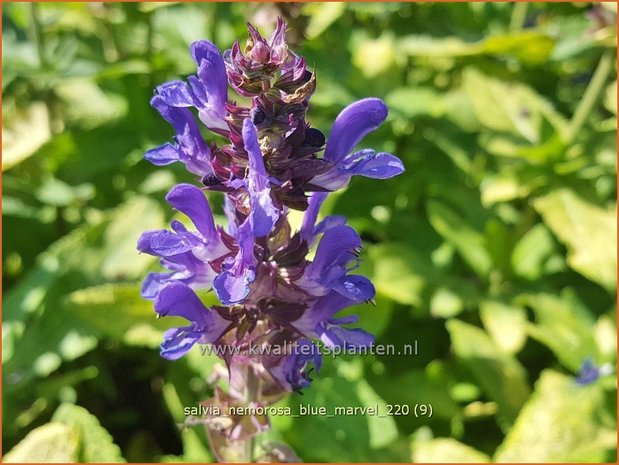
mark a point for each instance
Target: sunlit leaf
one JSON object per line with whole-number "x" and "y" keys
{"x": 436, "y": 47}
{"x": 322, "y": 15}
{"x": 399, "y": 273}
{"x": 117, "y": 311}
{"x": 532, "y": 252}
{"x": 24, "y": 134}
{"x": 528, "y": 46}
{"x": 565, "y": 327}
{"x": 413, "y": 102}
{"x": 52, "y": 442}
{"x": 374, "y": 57}
{"x": 469, "y": 242}
{"x": 560, "y": 423}
{"x": 588, "y": 231}
{"x": 499, "y": 374}
{"x": 139, "y": 214}
{"x": 446, "y": 450}
{"x": 610, "y": 101}
{"x": 506, "y": 324}
{"x": 96, "y": 443}
{"x": 88, "y": 105}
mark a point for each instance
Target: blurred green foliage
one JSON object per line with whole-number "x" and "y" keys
{"x": 496, "y": 250}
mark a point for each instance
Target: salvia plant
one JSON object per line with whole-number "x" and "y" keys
{"x": 272, "y": 295}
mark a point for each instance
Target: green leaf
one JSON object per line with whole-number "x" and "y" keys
{"x": 501, "y": 187}
{"x": 341, "y": 437}
{"x": 445, "y": 303}
{"x": 52, "y": 442}
{"x": 374, "y": 56}
{"x": 321, "y": 16}
{"x": 88, "y": 105}
{"x": 31, "y": 304}
{"x": 426, "y": 46}
{"x": 564, "y": 326}
{"x": 96, "y": 443}
{"x": 499, "y": 244}
{"x": 58, "y": 193}
{"x": 130, "y": 220}
{"x": 194, "y": 447}
{"x": 606, "y": 336}
{"x": 417, "y": 384}
{"x": 23, "y": 134}
{"x": 532, "y": 252}
{"x": 610, "y": 97}
{"x": 560, "y": 423}
{"x": 383, "y": 430}
{"x": 176, "y": 26}
{"x": 506, "y": 324}
{"x": 416, "y": 101}
{"x": 407, "y": 276}
{"x": 399, "y": 272}
{"x": 35, "y": 301}
{"x": 118, "y": 311}
{"x": 588, "y": 231}
{"x": 149, "y": 7}
{"x": 446, "y": 450}
{"x": 469, "y": 242}
{"x": 511, "y": 107}
{"x": 499, "y": 374}
{"x": 331, "y": 94}
{"x": 45, "y": 344}
{"x": 531, "y": 47}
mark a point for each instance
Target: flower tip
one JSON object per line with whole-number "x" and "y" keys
{"x": 157, "y": 101}
{"x": 248, "y": 125}
{"x": 144, "y": 242}
{"x": 377, "y": 109}
{"x": 253, "y": 33}
{"x": 202, "y": 49}
{"x": 179, "y": 191}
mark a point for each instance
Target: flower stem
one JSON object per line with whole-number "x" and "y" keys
{"x": 39, "y": 39}
{"x": 519, "y": 16}
{"x": 591, "y": 96}
{"x": 252, "y": 395}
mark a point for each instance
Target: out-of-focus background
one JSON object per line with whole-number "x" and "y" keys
{"x": 495, "y": 251}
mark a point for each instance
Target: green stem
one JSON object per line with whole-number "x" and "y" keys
{"x": 37, "y": 35}
{"x": 47, "y": 95}
{"x": 590, "y": 97}
{"x": 519, "y": 16}
{"x": 214, "y": 22}
{"x": 149, "y": 36}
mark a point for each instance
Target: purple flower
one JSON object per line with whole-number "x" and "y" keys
{"x": 187, "y": 254}
{"x": 337, "y": 250}
{"x": 207, "y": 92}
{"x": 233, "y": 284}
{"x": 177, "y": 299}
{"x": 262, "y": 58}
{"x": 352, "y": 125}
{"x": 189, "y": 147}
{"x": 263, "y": 213}
{"x": 259, "y": 267}
{"x": 309, "y": 229}
{"x": 590, "y": 373}
{"x": 319, "y": 322}
{"x": 294, "y": 369}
